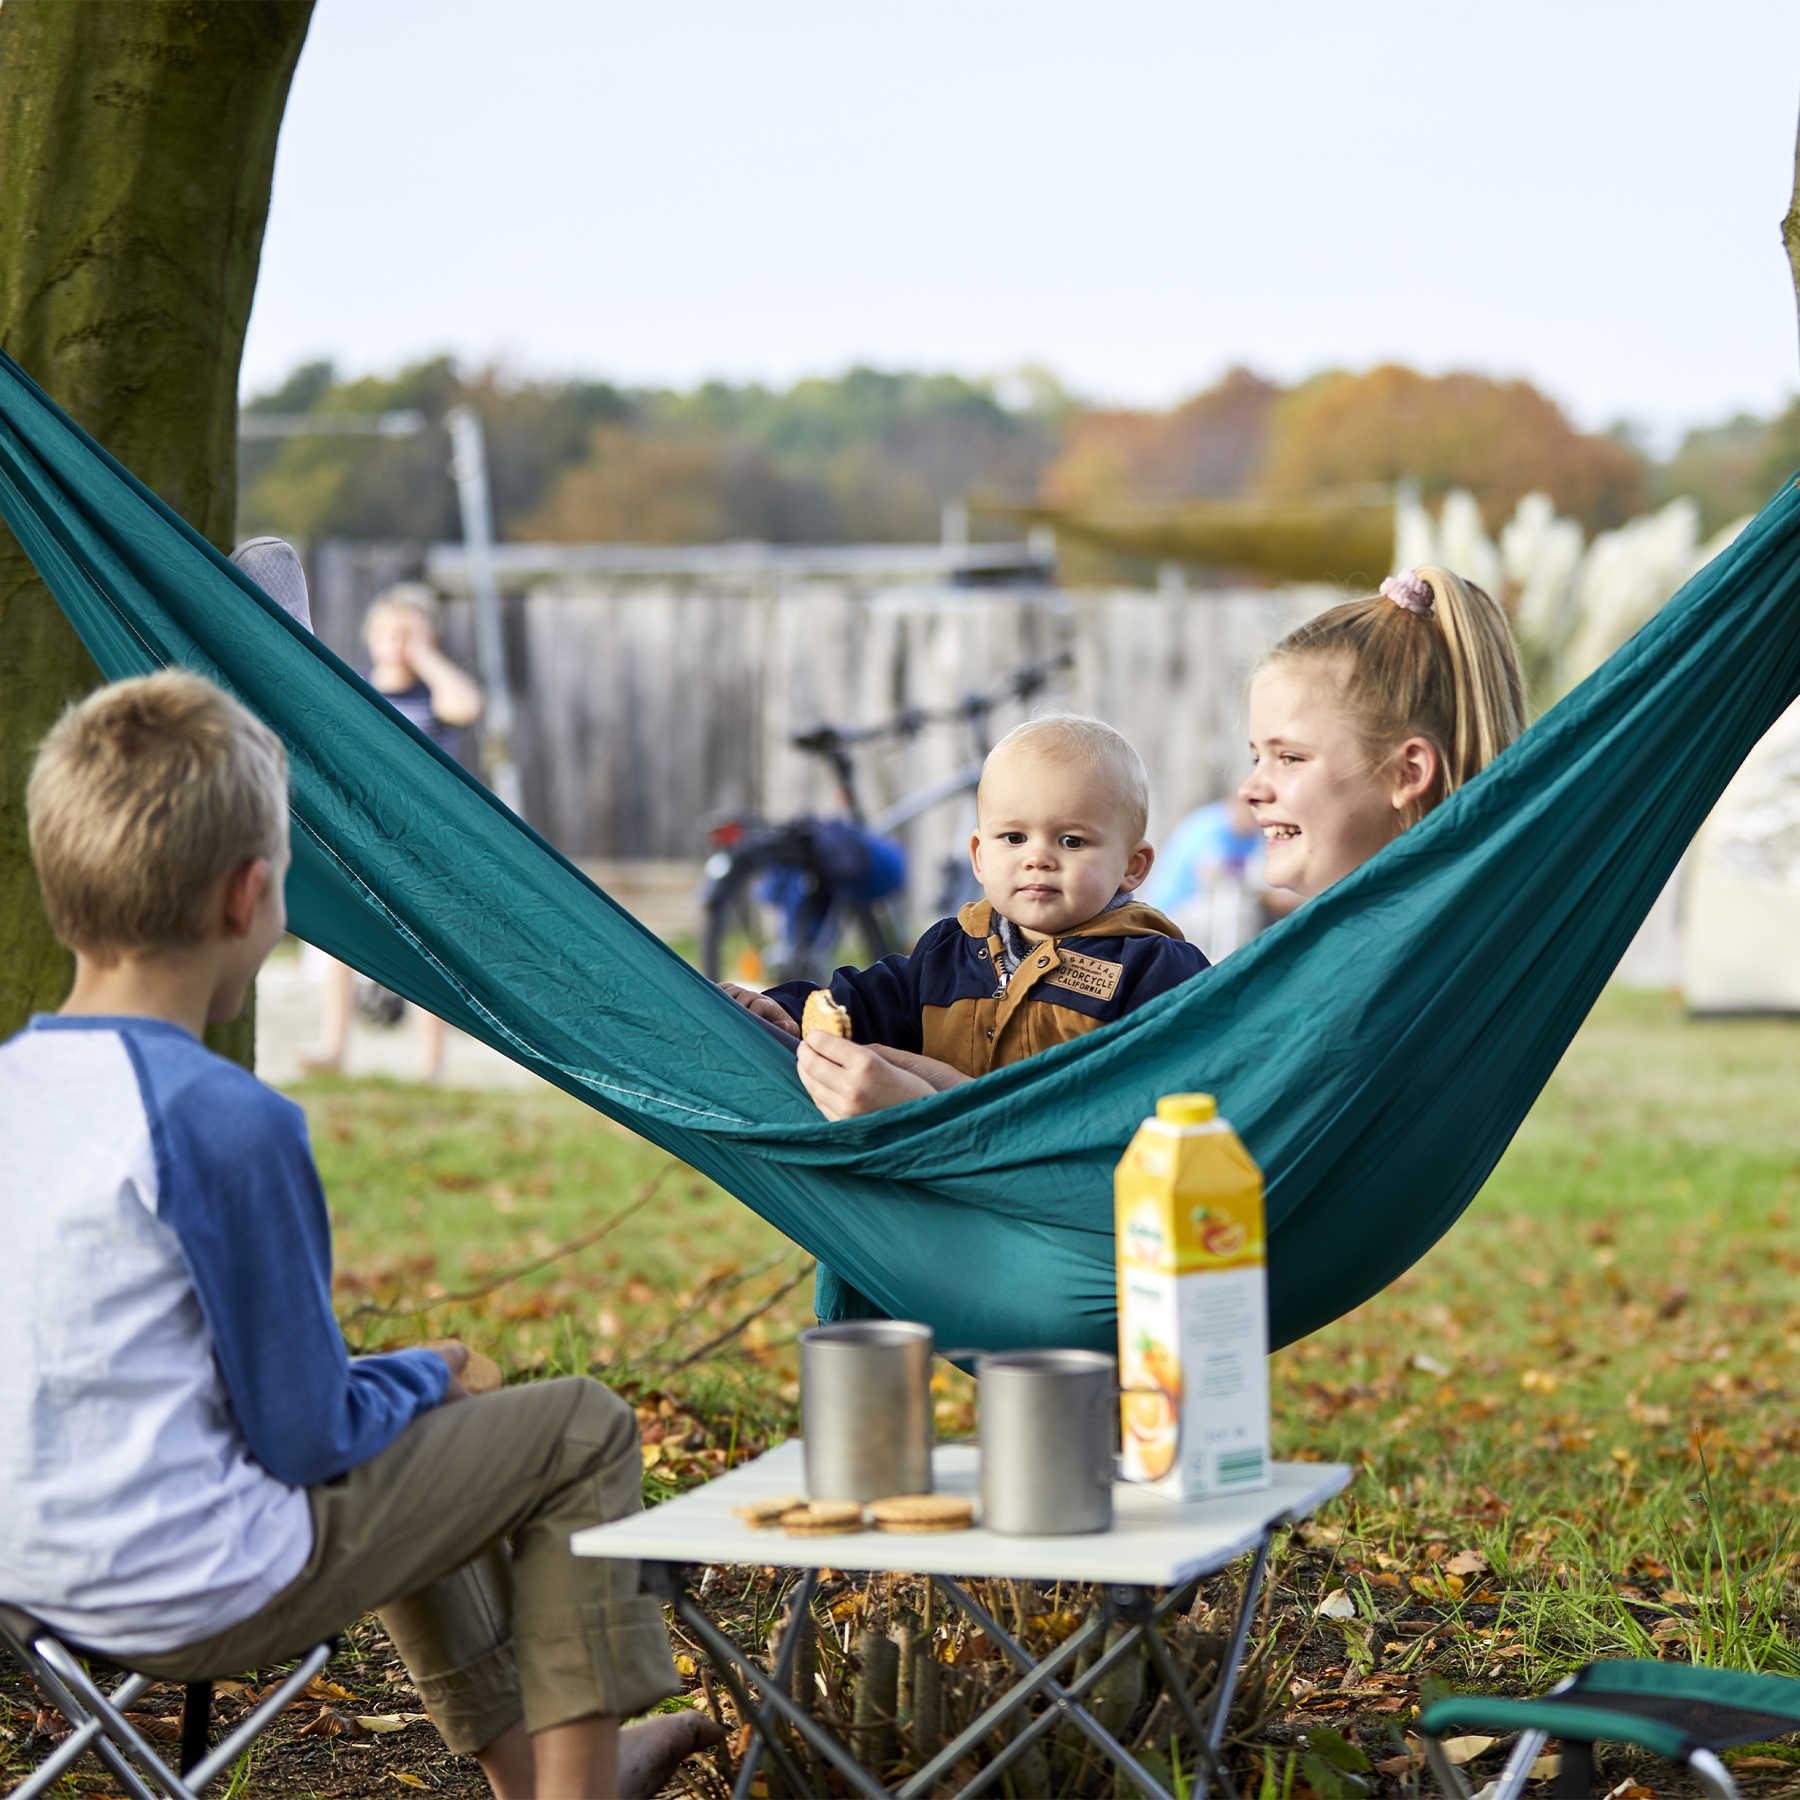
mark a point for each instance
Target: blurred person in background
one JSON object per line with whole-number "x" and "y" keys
{"x": 422, "y": 684}
{"x": 1209, "y": 879}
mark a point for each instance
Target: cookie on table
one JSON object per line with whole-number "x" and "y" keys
{"x": 922, "y": 1513}
{"x": 823, "y": 1518}
{"x": 759, "y": 1514}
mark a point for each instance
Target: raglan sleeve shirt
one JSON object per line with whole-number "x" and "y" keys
{"x": 241, "y": 1193}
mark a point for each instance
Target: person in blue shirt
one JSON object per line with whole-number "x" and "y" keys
{"x": 196, "y": 1477}
{"x": 1209, "y": 878}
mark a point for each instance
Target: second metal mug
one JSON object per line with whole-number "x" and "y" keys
{"x": 1047, "y": 1421}
{"x": 865, "y": 1409}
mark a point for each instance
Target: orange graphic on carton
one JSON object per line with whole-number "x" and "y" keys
{"x": 1151, "y": 1378}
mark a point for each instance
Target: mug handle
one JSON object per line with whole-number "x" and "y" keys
{"x": 1117, "y": 1470}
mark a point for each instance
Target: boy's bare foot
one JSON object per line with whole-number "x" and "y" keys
{"x": 321, "y": 1062}
{"x": 651, "y": 1750}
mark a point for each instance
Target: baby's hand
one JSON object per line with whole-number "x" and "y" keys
{"x": 760, "y": 1004}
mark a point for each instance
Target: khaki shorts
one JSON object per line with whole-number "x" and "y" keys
{"x": 457, "y": 1534}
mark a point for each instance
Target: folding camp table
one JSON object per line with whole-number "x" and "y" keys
{"x": 1154, "y": 1544}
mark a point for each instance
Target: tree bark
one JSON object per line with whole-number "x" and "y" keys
{"x": 137, "y": 149}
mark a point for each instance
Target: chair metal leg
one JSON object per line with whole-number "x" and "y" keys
{"x": 248, "y": 1729}
{"x": 1575, "y": 1777}
{"x": 118, "y": 1734}
{"x": 1448, "y": 1775}
{"x": 86, "y": 1727}
{"x": 1712, "y": 1775}
{"x": 98, "y": 1723}
{"x": 196, "y": 1722}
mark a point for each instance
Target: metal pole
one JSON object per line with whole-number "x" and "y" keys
{"x": 468, "y": 463}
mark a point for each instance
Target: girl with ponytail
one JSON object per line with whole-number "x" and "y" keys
{"x": 1368, "y": 716}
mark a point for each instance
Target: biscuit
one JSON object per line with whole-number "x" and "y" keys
{"x": 922, "y": 1513}
{"x": 825, "y": 1512}
{"x": 799, "y": 1527}
{"x": 758, "y": 1513}
{"x": 822, "y": 1013}
{"x": 479, "y": 1374}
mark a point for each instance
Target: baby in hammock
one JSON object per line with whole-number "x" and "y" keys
{"x": 1056, "y": 947}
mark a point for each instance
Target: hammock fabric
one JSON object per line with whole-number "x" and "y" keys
{"x": 1376, "y": 1050}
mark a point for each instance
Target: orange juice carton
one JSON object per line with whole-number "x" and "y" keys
{"x": 1193, "y": 1304}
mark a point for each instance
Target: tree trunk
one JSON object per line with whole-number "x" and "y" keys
{"x": 137, "y": 148}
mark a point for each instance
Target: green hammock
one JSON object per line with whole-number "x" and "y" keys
{"x": 1376, "y": 1050}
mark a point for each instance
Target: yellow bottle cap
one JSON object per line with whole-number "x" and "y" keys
{"x": 1187, "y": 1109}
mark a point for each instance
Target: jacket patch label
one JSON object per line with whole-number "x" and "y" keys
{"x": 1093, "y": 976}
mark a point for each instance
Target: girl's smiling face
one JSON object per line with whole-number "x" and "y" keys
{"x": 1323, "y": 807}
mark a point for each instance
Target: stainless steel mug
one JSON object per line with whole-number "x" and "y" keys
{"x": 1047, "y": 1431}
{"x": 865, "y": 1409}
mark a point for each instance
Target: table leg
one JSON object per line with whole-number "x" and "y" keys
{"x": 1133, "y": 1605}
{"x": 799, "y": 1607}
{"x": 1066, "y": 1701}
{"x": 1038, "y": 1676}
{"x": 775, "y": 1699}
{"x": 1228, "y": 1669}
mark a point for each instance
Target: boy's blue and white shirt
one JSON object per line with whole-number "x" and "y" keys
{"x": 172, "y": 1378}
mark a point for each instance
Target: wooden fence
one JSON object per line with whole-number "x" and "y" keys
{"x": 648, "y": 706}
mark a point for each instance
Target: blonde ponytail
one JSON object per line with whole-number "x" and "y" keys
{"x": 1488, "y": 689}
{"x": 1444, "y": 668}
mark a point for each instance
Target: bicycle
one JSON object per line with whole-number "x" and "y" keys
{"x": 781, "y": 897}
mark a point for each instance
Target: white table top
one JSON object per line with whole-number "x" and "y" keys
{"x": 1154, "y": 1542}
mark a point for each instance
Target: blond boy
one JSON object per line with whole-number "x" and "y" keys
{"x": 197, "y": 1478}
{"x": 1057, "y": 946}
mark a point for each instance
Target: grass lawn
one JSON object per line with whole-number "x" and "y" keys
{"x": 1576, "y": 1421}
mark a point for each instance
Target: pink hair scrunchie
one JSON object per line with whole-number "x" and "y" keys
{"x": 1410, "y": 591}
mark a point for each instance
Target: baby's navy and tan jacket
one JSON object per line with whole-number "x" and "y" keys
{"x": 952, "y": 998}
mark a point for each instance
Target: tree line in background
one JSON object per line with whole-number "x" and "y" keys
{"x": 871, "y": 456}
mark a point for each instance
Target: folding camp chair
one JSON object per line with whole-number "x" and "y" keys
{"x": 1680, "y": 1712}
{"x": 98, "y": 1722}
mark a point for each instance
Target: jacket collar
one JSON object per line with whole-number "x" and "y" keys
{"x": 1130, "y": 919}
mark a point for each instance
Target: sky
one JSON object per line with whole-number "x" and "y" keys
{"x": 1136, "y": 194}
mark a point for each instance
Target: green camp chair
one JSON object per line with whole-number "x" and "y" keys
{"x": 1685, "y": 1714}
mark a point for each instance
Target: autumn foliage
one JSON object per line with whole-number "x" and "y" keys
{"x": 1340, "y": 438}
{"x": 1498, "y": 439}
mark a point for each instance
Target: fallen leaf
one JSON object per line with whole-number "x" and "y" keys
{"x": 390, "y": 1721}
{"x": 156, "y": 1725}
{"x": 329, "y": 1723}
{"x": 406, "y": 1780}
{"x": 1459, "y": 1750}
{"x": 1429, "y": 1365}
{"x": 1467, "y": 1562}
{"x": 1546, "y": 1768}
{"x": 1400, "y": 1765}
{"x": 1337, "y": 1605}
{"x": 685, "y": 1666}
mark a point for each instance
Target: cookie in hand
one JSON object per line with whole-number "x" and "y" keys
{"x": 822, "y": 1013}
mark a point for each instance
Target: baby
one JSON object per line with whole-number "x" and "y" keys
{"x": 1057, "y": 946}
